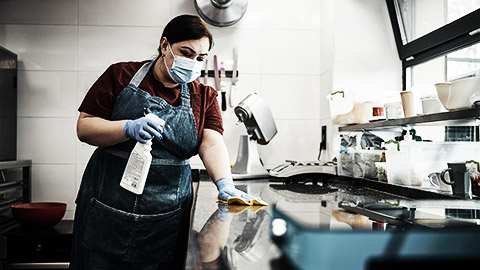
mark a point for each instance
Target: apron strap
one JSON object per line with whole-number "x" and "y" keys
{"x": 141, "y": 73}
{"x": 185, "y": 95}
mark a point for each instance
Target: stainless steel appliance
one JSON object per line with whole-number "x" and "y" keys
{"x": 15, "y": 187}
{"x": 291, "y": 168}
{"x": 253, "y": 111}
{"x": 8, "y": 105}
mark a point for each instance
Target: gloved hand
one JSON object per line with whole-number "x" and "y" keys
{"x": 222, "y": 212}
{"x": 227, "y": 193}
{"x": 142, "y": 129}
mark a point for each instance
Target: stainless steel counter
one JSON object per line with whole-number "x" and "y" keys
{"x": 240, "y": 237}
{"x": 231, "y": 241}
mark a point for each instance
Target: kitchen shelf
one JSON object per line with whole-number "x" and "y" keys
{"x": 468, "y": 116}
{"x": 8, "y": 185}
{"x": 6, "y": 204}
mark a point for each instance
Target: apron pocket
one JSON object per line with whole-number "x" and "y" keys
{"x": 130, "y": 237}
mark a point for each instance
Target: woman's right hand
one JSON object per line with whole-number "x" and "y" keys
{"x": 142, "y": 129}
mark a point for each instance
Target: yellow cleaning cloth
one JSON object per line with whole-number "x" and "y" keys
{"x": 236, "y": 209}
{"x": 238, "y": 200}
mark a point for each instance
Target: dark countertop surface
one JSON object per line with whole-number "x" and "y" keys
{"x": 241, "y": 239}
{"x": 64, "y": 227}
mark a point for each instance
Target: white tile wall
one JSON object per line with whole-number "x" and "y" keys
{"x": 283, "y": 14}
{"x": 123, "y": 13}
{"x": 43, "y": 47}
{"x": 47, "y": 139}
{"x": 54, "y": 183}
{"x": 295, "y": 140}
{"x": 232, "y": 136}
{"x": 326, "y": 49}
{"x": 84, "y": 80}
{"x": 282, "y": 53}
{"x": 47, "y": 93}
{"x": 54, "y": 12}
{"x": 372, "y": 65}
{"x": 326, "y": 86}
{"x": 248, "y": 41}
{"x": 100, "y": 46}
{"x": 295, "y": 96}
{"x": 181, "y": 7}
{"x": 290, "y": 52}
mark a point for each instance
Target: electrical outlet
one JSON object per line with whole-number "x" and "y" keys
{"x": 323, "y": 144}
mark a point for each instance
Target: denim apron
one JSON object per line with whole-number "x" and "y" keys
{"x": 117, "y": 229}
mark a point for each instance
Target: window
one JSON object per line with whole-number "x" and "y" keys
{"x": 441, "y": 36}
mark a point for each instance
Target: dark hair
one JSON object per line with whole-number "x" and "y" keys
{"x": 186, "y": 27}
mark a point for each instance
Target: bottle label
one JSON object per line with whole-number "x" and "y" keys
{"x": 133, "y": 172}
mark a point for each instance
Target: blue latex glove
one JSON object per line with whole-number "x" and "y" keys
{"x": 142, "y": 129}
{"x": 227, "y": 190}
{"x": 222, "y": 213}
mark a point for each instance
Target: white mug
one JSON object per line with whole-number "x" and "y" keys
{"x": 434, "y": 179}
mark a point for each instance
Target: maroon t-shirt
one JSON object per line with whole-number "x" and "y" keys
{"x": 101, "y": 97}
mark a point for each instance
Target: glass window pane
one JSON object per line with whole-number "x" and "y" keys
{"x": 456, "y": 65}
{"x": 459, "y": 8}
{"x": 425, "y": 75}
{"x": 420, "y": 17}
{"x": 464, "y": 63}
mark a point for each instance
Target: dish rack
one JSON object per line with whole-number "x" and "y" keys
{"x": 15, "y": 187}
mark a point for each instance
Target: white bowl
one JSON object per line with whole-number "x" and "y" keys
{"x": 456, "y": 95}
{"x": 432, "y": 105}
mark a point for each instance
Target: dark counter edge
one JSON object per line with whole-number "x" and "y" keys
{"x": 398, "y": 190}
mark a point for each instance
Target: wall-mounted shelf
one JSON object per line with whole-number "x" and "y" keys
{"x": 468, "y": 116}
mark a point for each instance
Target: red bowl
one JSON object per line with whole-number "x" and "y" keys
{"x": 39, "y": 214}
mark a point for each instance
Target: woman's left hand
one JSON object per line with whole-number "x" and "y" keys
{"x": 228, "y": 193}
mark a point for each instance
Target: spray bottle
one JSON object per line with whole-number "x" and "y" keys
{"x": 138, "y": 165}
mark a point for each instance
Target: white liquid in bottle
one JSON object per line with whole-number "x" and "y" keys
{"x": 138, "y": 165}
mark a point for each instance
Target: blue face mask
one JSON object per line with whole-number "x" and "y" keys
{"x": 183, "y": 70}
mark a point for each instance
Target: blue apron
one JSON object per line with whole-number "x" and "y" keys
{"x": 117, "y": 229}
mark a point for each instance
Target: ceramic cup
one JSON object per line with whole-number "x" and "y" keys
{"x": 408, "y": 103}
{"x": 459, "y": 179}
{"x": 435, "y": 181}
{"x": 393, "y": 110}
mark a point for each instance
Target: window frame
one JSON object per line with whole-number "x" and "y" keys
{"x": 448, "y": 38}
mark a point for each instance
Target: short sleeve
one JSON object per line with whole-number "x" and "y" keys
{"x": 213, "y": 115}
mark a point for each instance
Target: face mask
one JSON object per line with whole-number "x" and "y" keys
{"x": 183, "y": 70}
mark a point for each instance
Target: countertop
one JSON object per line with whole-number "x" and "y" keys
{"x": 241, "y": 239}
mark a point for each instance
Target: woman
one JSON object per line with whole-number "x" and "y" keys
{"x": 115, "y": 228}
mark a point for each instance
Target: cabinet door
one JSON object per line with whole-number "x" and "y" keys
{"x": 38, "y": 248}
